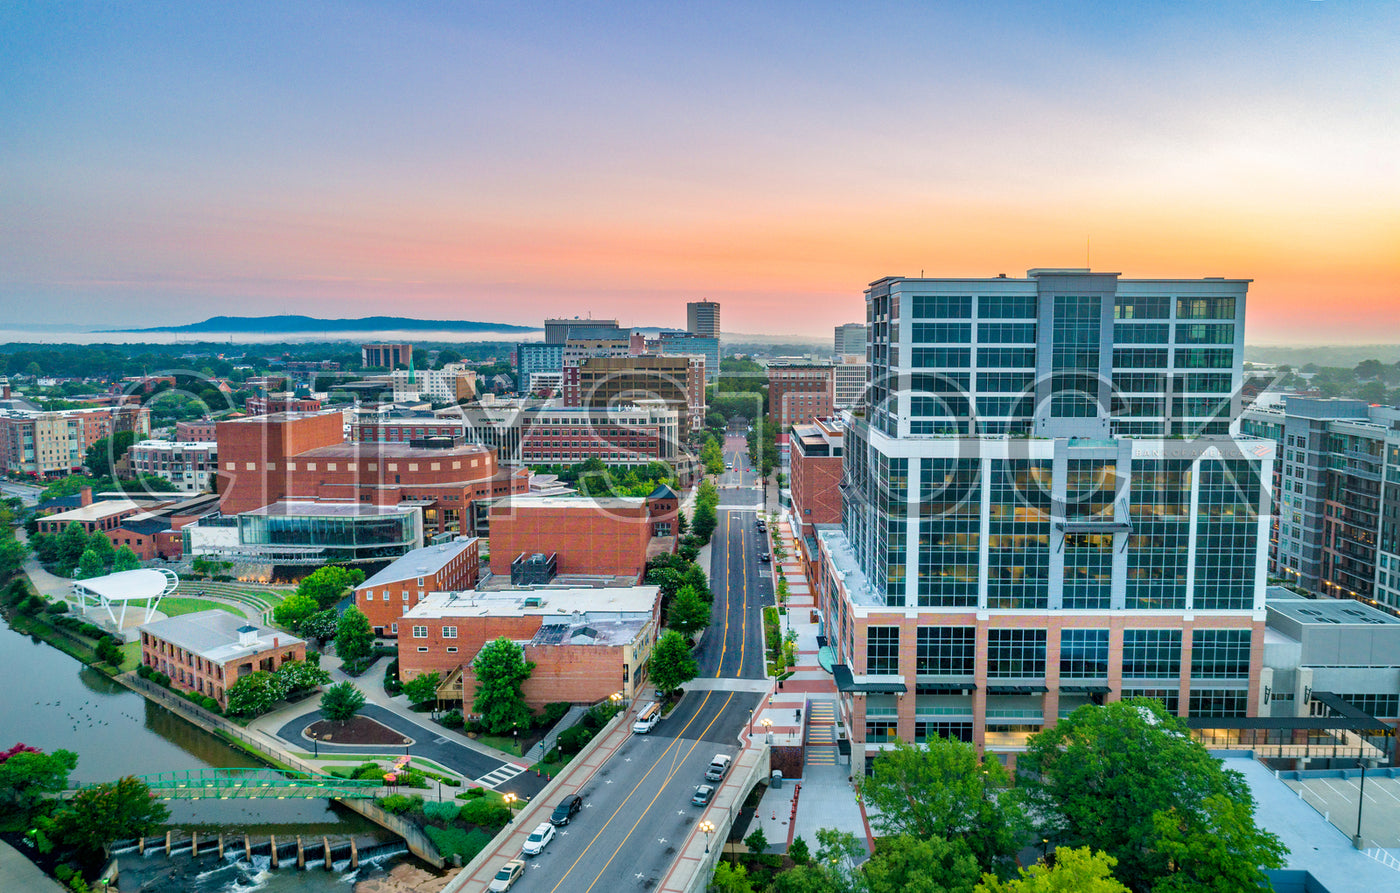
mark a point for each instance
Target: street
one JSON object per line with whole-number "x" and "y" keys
{"x": 637, "y": 809}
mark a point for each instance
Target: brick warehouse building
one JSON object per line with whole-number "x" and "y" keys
{"x": 208, "y": 651}
{"x": 291, "y": 456}
{"x": 586, "y": 643}
{"x": 816, "y": 457}
{"x": 444, "y": 567}
{"x": 609, "y": 536}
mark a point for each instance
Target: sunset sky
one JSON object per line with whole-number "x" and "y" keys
{"x": 161, "y": 163}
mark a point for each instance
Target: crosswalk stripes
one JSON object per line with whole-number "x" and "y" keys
{"x": 499, "y": 776}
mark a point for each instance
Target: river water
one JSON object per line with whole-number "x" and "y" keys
{"x": 50, "y": 701}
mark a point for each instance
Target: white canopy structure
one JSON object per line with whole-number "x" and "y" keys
{"x": 150, "y": 584}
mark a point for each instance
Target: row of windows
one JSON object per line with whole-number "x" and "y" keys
{"x": 960, "y": 306}
{"x": 1021, "y": 653}
{"x": 448, "y": 632}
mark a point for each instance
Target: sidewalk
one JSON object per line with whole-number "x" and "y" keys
{"x": 18, "y": 873}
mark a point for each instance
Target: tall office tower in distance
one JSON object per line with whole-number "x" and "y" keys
{"x": 1043, "y": 507}
{"x": 702, "y": 318}
{"x": 850, "y": 339}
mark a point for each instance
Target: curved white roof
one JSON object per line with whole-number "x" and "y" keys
{"x": 128, "y": 585}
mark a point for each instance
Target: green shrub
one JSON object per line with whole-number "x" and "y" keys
{"x": 457, "y": 841}
{"x": 57, "y": 608}
{"x": 552, "y": 713}
{"x": 144, "y": 671}
{"x": 472, "y": 793}
{"x": 369, "y": 772}
{"x": 452, "y": 719}
{"x": 64, "y": 873}
{"x": 573, "y": 739}
{"x": 398, "y": 804}
{"x": 411, "y": 779}
{"x": 441, "y": 812}
{"x": 485, "y": 812}
{"x": 160, "y": 679}
{"x": 552, "y": 756}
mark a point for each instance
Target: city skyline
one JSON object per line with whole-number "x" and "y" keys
{"x": 512, "y": 165}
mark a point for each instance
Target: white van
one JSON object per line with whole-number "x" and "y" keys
{"x": 647, "y": 719}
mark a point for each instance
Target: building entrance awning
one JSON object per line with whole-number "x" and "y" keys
{"x": 846, "y": 681}
{"x": 1084, "y": 689}
{"x": 1016, "y": 689}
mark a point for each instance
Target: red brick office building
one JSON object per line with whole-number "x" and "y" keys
{"x": 444, "y": 567}
{"x": 208, "y": 651}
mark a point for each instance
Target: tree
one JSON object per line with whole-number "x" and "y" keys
{"x": 27, "y": 777}
{"x": 327, "y": 584}
{"x": 100, "y": 544}
{"x": 422, "y": 688}
{"x": 815, "y": 878}
{"x": 321, "y": 625}
{"x": 731, "y": 878}
{"x": 102, "y": 457}
{"x": 688, "y": 613}
{"x": 905, "y": 864}
{"x": 72, "y": 543}
{"x": 757, "y": 842}
{"x": 1075, "y": 871}
{"x": 1216, "y": 850}
{"x": 353, "y": 636}
{"x": 300, "y": 675}
{"x": 90, "y": 565}
{"x": 501, "y": 668}
{"x": 712, "y": 457}
{"x": 293, "y": 609}
{"x": 672, "y": 573}
{"x": 1102, "y": 774}
{"x": 12, "y": 556}
{"x": 341, "y": 701}
{"x": 671, "y": 664}
{"x": 255, "y": 694}
{"x": 101, "y": 813}
{"x": 125, "y": 560}
{"x": 941, "y": 789}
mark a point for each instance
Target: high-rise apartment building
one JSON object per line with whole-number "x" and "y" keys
{"x": 1020, "y": 535}
{"x": 678, "y": 382}
{"x": 533, "y": 358}
{"x": 848, "y": 380}
{"x": 1337, "y": 480}
{"x": 798, "y": 393}
{"x": 675, "y": 343}
{"x": 850, "y": 339}
{"x": 702, "y": 318}
{"x": 44, "y": 443}
{"x": 385, "y": 356}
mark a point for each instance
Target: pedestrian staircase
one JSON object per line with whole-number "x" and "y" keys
{"x": 821, "y": 733}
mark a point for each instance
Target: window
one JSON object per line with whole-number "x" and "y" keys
{"x": 1154, "y": 333}
{"x": 1015, "y": 653}
{"x": 941, "y": 357}
{"x": 882, "y": 650}
{"x": 449, "y": 632}
{"x": 946, "y": 650}
{"x": 451, "y": 649}
{"x": 1170, "y": 697}
{"x": 880, "y": 732}
{"x": 369, "y": 595}
{"x": 1006, "y": 306}
{"x": 422, "y": 649}
{"x": 405, "y": 595}
{"x": 1151, "y": 653}
{"x": 943, "y": 332}
{"x": 1219, "y": 701}
{"x": 953, "y": 731}
{"x": 1084, "y": 654}
{"x": 1220, "y": 654}
{"x": 994, "y": 357}
{"x": 420, "y": 632}
{"x": 942, "y": 306}
{"x": 1142, "y": 308}
{"x": 1205, "y": 308}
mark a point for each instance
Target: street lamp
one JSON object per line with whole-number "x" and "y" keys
{"x": 1360, "y": 801}
{"x": 768, "y": 727}
{"x": 708, "y": 827}
{"x": 750, "y": 722}
{"x": 510, "y": 799}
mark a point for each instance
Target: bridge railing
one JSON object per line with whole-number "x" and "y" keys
{"x": 251, "y": 783}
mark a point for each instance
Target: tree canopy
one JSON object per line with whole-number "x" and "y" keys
{"x": 328, "y": 584}
{"x": 941, "y": 789}
{"x": 671, "y": 664}
{"x": 1076, "y": 870}
{"x": 354, "y": 638}
{"x": 906, "y": 864}
{"x": 422, "y": 688}
{"x": 501, "y": 669}
{"x": 101, "y": 813}
{"x": 341, "y": 701}
{"x": 688, "y": 613}
{"x": 1128, "y": 779}
{"x": 295, "y": 608}
{"x": 28, "y": 776}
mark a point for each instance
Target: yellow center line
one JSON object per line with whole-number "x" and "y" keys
{"x": 724, "y": 640}
{"x": 658, "y": 762}
{"x": 659, "y": 792}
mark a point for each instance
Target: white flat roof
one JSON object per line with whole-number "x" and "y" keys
{"x": 126, "y": 585}
{"x": 96, "y": 511}
{"x": 561, "y": 603}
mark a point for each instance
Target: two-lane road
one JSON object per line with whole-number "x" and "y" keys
{"x": 637, "y": 809}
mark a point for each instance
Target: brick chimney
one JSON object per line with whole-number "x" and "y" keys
{"x": 85, "y": 496}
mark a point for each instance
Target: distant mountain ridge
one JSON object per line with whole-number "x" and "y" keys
{"x": 314, "y": 324}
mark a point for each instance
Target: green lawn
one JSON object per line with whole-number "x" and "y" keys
{"x": 175, "y": 605}
{"x": 131, "y": 656}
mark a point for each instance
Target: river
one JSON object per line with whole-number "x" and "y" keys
{"x": 50, "y": 701}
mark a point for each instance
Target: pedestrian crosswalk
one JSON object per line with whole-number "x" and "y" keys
{"x": 821, "y": 733}
{"x": 500, "y": 776}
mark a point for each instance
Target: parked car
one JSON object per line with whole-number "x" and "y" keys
{"x": 507, "y": 876}
{"x": 718, "y": 767}
{"x": 538, "y": 839}
{"x": 764, "y": 557}
{"x": 566, "y": 810}
{"x": 703, "y": 793}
